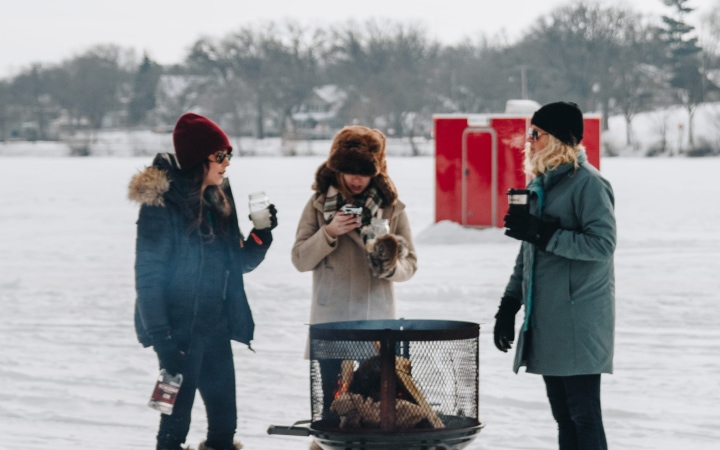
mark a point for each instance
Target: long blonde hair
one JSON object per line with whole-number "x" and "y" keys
{"x": 550, "y": 157}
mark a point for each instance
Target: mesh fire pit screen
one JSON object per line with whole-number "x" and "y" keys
{"x": 394, "y": 376}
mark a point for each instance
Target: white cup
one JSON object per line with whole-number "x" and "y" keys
{"x": 259, "y": 213}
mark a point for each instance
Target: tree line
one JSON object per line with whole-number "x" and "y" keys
{"x": 394, "y": 76}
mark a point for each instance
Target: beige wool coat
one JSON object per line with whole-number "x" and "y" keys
{"x": 343, "y": 286}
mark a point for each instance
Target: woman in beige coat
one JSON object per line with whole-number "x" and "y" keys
{"x": 353, "y": 268}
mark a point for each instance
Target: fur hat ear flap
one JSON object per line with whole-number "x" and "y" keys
{"x": 386, "y": 187}
{"x": 324, "y": 178}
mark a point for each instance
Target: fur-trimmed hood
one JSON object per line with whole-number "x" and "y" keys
{"x": 149, "y": 186}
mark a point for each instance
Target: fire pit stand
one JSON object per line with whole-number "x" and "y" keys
{"x": 392, "y": 384}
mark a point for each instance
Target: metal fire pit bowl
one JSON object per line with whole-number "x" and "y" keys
{"x": 392, "y": 384}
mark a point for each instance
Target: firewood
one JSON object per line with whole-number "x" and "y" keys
{"x": 403, "y": 369}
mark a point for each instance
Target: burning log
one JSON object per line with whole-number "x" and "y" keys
{"x": 359, "y": 405}
{"x": 344, "y": 377}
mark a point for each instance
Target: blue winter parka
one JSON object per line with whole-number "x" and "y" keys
{"x": 169, "y": 259}
{"x": 571, "y": 325}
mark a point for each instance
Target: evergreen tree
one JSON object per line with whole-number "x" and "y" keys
{"x": 143, "y": 94}
{"x": 683, "y": 59}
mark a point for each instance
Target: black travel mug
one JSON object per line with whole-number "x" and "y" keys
{"x": 518, "y": 201}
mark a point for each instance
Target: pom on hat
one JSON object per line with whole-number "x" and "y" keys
{"x": 196, "y": 137}
{"x": 563, "y": 120}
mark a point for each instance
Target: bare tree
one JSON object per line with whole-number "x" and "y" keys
{"x": 89, "y": 85}
{"x": 30, "y": 95}
{"x": 584, "y": 48}
{"x": 4, "y": 109}
{"x": 385, "y": 67}
{"x": 479, "y": 77}
{"x": 277, "y": 66}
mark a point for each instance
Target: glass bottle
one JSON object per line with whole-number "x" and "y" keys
{"x": 165, "y": 393}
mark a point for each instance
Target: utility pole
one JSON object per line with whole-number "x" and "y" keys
{"x": 523, "y": 81}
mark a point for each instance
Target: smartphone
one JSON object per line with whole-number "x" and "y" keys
{"x": 354, "y": 210}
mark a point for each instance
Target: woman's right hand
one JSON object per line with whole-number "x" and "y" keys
{"x": 342, "y": 223}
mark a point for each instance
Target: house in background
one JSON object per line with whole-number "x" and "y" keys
{"x": 318, "y": 116}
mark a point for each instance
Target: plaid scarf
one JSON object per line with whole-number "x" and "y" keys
{"x": 370, "y": 200}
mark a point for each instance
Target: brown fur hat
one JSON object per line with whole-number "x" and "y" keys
{"x": 357, "y": 150}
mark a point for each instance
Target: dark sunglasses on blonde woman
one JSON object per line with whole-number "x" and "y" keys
{"x": 534, "y": 134}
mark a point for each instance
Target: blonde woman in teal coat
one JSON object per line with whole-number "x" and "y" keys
{"x": 563, "y": 276}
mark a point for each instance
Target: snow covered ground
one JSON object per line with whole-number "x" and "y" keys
{"x": 72, "y": 375}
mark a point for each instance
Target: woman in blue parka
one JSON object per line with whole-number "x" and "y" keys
{"x": 189, "y": 266}
{"x": 564, "y": 276}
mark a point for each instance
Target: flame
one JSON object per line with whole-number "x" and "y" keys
{"x": 344, "y": 378}
{"x": 342, "y": 387}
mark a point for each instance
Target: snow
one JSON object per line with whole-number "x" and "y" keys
{"x": 73, "y": 376}
{"x": 650, "y": 129}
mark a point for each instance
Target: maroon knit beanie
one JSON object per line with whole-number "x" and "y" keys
{"x": 195, "y": 138}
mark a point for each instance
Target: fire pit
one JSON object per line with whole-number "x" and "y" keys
{"x": 390, "y": 384}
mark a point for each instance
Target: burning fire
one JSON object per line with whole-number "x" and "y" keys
{"x": 345, "y": 378}
{"x": 342, "y": 387}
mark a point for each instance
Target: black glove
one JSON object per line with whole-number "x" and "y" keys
{"x": 526, "y": 227}
{"x": 273, "y": 218}
{"x": 171, "y": 359}
{"x": 504, "y": 331}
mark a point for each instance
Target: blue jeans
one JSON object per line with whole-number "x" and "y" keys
{"x": 575, "y": 404}
{"x": 208, "y": 367}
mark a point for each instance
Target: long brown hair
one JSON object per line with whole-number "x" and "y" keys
{"x": 343, "y": 188}
{"x": 211, "y": 199}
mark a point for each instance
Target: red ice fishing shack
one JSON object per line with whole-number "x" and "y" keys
{"x": 478, "y": 157}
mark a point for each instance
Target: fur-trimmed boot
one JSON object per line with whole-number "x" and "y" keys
{"x": 236, "y": 446}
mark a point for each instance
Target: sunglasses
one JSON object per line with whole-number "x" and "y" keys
{"x": 534, "y": 134}
{"x": 221, "y": 156}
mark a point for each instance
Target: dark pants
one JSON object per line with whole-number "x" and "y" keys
{"x": 208, "y": 367}
{"x": 575, "y": 404}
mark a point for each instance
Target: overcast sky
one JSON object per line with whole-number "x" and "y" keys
{"x": 49, "y": 31}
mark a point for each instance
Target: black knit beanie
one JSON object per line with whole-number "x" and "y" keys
{"x": 564, "y": 120}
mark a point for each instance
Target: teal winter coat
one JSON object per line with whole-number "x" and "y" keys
{"x": 571, "y": 325}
